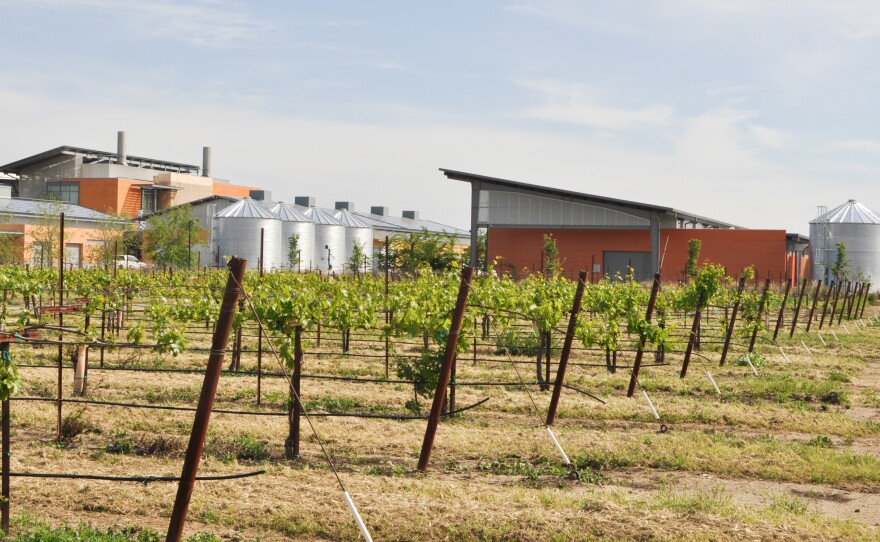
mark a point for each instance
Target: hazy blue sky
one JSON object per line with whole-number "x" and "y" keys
{"x": 751, "y": 112}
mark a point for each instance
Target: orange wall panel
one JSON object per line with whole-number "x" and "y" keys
{"x": 231, "y": 190}
{"x": 520, "y": 249}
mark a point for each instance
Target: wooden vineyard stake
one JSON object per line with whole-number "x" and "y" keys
{"x": 732, "y": 324}
{"x": 760, "y": 312}
{"x": 4, "y": 422}
{"x": 797, "y": 308}
{"x": 865, "y": 302}
{"x": 637, "y": 363}
{"x": 825, "y": 305}
{"x": 566, "y": 348}
{"x": 291, "y": 445}
{"x": 445, "y": 368}
{"x": 834, "y": 304}
{"x": 813, "y": 307}
{"x": 206, "y": 399}
{"x": 782, "y": 309}
{"x": 692, "y": 338}
{"x": 844, "y": 303}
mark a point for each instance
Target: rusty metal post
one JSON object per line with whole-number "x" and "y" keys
{"x": 692, "y": 338}
{"x": 445, "y": 368}
{"x": 781, "y": 316}
{"x": 813, "y": 307}
{"x": 566, "y": 348}
{"x": 60, "y": 322}
{"x": 760, "y": 313}
{"x": 858, "y": 302}
{"x": 387, "y": 313}
{"x": 825, "y": 305}
{"x": 206, "y": 399}
{"x": 291, "y": 445}
{"x": 637, "y": 363}
{"x": 103, "y": 329}
{"x": 5, "y": 449}
{"x": 797, "y": 308}
{"x": 867, "y": 293}
{"x": 845, "y": 301}
{"x": 731, "y": 325}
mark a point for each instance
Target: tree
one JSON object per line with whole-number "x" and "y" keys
{"x": 46, "y": 242}
{"x": 552, "y": 264}
{"x": 358, "y": 259}
{"x": 167, "y": 236}
{"x": 691, "y": 268}
{"x": 111, "y": 231}
{"x": 293, "y": 255}
{"x": 410, "y": 252}
{"x": 11, "y": 249}
{"x": 840, "y": 267}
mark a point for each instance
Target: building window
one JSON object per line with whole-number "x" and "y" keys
{"x": 67, "y": 192}
{"x": 149, "y": 200}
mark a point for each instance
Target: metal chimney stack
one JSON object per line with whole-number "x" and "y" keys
{"x": 206, "y": 161}
{"x": 121, "y": 157}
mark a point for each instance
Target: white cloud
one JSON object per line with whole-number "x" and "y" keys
{"x": 864, "y": 145}
{"x": 768, "y": 137}
{"x": 579, "y": 104}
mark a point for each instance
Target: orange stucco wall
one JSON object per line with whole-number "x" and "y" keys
{"x": 74, "y": 235}
{"x": 116, "y": 195}
{"x": 232, "y": 190}
{"x": 520, "y": 248}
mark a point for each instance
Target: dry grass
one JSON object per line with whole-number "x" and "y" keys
{"x": 494, "y": 475}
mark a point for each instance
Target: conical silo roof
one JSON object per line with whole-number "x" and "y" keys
{"x": 851, "y": 212}
{"x": 319, "y": 216}
{"x": 350, "y": 220}
{"x": 246, "y": 208}
{"x": 289, "y": 213}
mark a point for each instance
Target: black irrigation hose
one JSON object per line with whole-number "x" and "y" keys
{"x": 145, "y": 479}
{"x": 249, "y": 413}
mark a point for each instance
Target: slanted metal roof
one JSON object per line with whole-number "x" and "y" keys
{"x": 91, "y": 156}
{"x": 288, "y": 212}
{"x": 349, "y": 220}
{"x": 320, "y": 216}
{"x": 406, "y": 225}
{"x": 246, "y": 208}
{"x": 488, "y": 183}
{"x": 36, "y": 207}
{"x": 851, "y": 212}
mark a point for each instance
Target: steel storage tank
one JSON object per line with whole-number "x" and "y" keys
{"x": 329, "y": 240}
{"x": 237, "y": 232}
{"x": 855, "y": 226}
{"x": 294, "y": 222}
{"x": 356, "y": 231}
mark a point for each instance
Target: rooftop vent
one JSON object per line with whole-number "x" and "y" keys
{"x": 412, "y": 215}
{"x": 346, "y": 205}
{"x": 381, "y": 211}
{"x": 304, "y": 201}
{"x": 121, "y": 157}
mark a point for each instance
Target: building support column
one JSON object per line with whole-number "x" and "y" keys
{"x": 475, "y": 216}
{"x": 655, "y": 242}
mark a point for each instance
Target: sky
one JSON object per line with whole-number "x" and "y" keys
{"x": 752, "y": 112}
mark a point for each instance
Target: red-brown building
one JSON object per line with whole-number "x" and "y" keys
{"x": 606, "y": 236}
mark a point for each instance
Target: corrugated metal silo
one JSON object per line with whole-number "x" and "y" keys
{"x": 855, "y": 226}
{"x": 295, "y": 222}
{"x": 356, "y": 231}
{"x": 237, "y": 232}
{"x": 329, "y": 240}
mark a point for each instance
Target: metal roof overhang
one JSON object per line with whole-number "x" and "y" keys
{"x": 641, "y": 209}
{"x": 136, "y": 161}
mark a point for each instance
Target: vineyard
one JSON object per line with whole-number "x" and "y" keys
{"x": 449, "y": 406}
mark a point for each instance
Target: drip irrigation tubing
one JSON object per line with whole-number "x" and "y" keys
{"x": 249, "y": 412}
{"x": 144, "y": 479}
